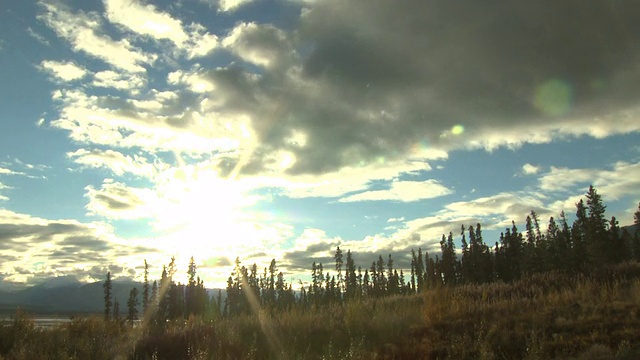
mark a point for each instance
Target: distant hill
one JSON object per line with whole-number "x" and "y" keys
{"x": 66, "y": 297}
{"x": 70, "y": 297}
{"x": 631, "y": 229}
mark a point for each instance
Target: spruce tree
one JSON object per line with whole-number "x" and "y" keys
{"x": 107, "y": 296}
{"x": 598, "y": 247}
{"x": 636, "y": 235}
{"x": 465, "y": 262}
{"x": 448, "y": 263}
{"x": 564, "y": 239}
{"x": 351, "y": 282}
{"x": 191, "y": 288}
{"x": 556, "y": 247}
{"x": 339, "y": 263}
{"x": 145, "y": 288}
{"x": 578, "y": 237}
{"x": 271, "y": 286}
{"x": 617, "y": 249}
{"x": 116, "y": 310}
{"x": 132, "y": 305}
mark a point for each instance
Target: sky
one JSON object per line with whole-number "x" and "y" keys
{"x": 262, "y": 129}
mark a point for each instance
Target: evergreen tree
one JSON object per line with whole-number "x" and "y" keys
{"x": 557, "y": 249}
{"x": 485, "y": 260}
{"x": 162, "y": 296}
{"x": 449, "y": 261}
{"x": 393, "y": 284}
{"x": 403, "y": 285}
{"x": 636, "y": 235}
{"x": 351, "y": 281}
{"x": 191, "y": 295}
{"x": 420, "y": 272}
{"x": 132, "y": 305}
{"x": 578, "y": 237}
{"x": 145, "y": 288}
{"x": 381, "y": 278}
{"x": 531, "y": 259}
{"x": 433, "y": 276}
{"x": 339, "y": 263}
{"x": 281, "y": 290}
{"x": 154, "y": 293}
{"x": 501, "y": 268}
{"x": 564, "y": 239}
{"x": 116, "y": 310}
{"x": 617, "y": 249}
{"x": 465, "y": 262}
{"x": 365, "y": 284}
{"x": 271, "y": 288}
{"x": 359, "y": 286}
{"x": 413, "y": 271}
{"x": 107, "y": 296}
{"x": 596, "y": 230}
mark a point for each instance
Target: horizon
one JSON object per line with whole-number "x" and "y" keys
{"x": 281, "y": 129}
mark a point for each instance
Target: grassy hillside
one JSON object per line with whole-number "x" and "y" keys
{"x": 546, "y": 316}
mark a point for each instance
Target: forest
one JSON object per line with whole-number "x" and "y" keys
{"x": 561, "y": 291}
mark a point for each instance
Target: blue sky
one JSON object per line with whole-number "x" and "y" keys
{"x": 135, "y": 130}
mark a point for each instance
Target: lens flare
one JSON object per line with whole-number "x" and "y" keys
{"x": 553, "y": 97}
{"x": 457, "y": 129}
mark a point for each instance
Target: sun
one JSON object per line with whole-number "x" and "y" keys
{"x": 204, "y": 215}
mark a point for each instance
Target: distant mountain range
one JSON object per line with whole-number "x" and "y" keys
{"x": 66, "y": 297}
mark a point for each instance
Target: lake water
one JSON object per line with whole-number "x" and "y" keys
{"x": 43, "y": 322}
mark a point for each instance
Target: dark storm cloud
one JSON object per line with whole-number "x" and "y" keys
{"x": 86, "y": 243}
{"x": 8, "y": 258}
{"x": 113, "y": 203}
{"x": 36, "y": 233}
{"x": 382, "y": 76}
{"x": 481, "y": 56}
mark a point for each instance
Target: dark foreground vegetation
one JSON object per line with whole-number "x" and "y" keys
{"x": 568, "y": 292}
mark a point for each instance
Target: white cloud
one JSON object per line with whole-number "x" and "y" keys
{"x": 620, "y": 181}
{"x": 83, "y": 31}
{"x": 115, "y": 161}
{"x": 510, "y": 205}
{"x": 195, "y": 81}
{"x": 100, "y": 120}
{"x": 6, "y": 171}
{"x": 563, "y": 179}
{"x": 231, "y": 5}
{"x": 405, "y": 191}
{"x": 119, "y": 81}
{"x": 66, "y": 71}
{"x": 145, "y": 20}
{"x": 262, "y": 45}
{"x": 346, "y": 180}
{"x": 41, "y": 39}
{"x": 3, "y": 187}
{"x": 528, "y": 169}
{"x": 200, "y": 42}
{"x": 115, "y": 200}
{"x": 43, "y": 248}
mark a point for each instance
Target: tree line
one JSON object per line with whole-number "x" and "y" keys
{"x": 591, "y": 242}
{"x": 163, "y": 300}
